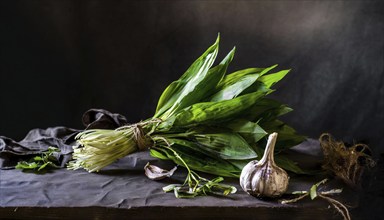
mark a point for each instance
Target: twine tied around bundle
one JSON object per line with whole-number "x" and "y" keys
{"x": 141, "y": 138}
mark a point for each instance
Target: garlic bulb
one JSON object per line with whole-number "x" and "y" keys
{"x": 264, "y": 178}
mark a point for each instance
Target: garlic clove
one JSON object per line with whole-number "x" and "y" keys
{"x": 156, "y": 173}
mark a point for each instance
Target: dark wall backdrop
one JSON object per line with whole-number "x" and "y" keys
{"x": 60, "y": 58}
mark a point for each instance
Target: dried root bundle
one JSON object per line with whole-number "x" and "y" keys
{"x": 347, "y": 163}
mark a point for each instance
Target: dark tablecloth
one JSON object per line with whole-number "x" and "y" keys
{"x": 123, "y": 189}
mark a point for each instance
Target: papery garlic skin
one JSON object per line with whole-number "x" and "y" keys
{"x": 264, "y": 178}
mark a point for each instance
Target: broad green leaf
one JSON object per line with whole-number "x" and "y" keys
{"x": 287, "y": 135}
{"x": 240, "y": 164}
{"x": 265, "y": 82}
{"x": 173, "y": 96}
{"x": 158, "y": 154}
{"x": 213, "y": 112}
{"x": 234, "y": 84}
{"x": 198, "y": 159}
{"x": 257, "y": 86}
{"x": 266, "y": 109}
{"x": 233, "y": 90}
{"x": 204, "y": 88}
{"x": 226, "y": 145}
{"x": 236, "y": 76}
{"x": 168, "y": 97}
{"x": 289, "y": 165}
{"x": 273, "y": 114}
{"x": 280, "y": 159}
{"x": 271, "y": 79}
{"x": 250, "y": 130}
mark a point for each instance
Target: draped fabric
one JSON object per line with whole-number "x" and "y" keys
{"x": 38, "y": 140}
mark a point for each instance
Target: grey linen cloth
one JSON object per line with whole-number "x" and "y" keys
{"x": 38, "y": 140}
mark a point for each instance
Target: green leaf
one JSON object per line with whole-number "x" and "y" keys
{"x": 313, "y": 192}
{"x": 158, "y": 154}
{"x": 237, "y": 82}
{"x": 271, "y": 79}
{"x": 265, "y": 82}
{"x": 281, "y": 160}
{"x": 204, "y": 87}
{"x": 196, "y": 158}
{"x": 178, "y": 93}
{"x": 287, "y": 135}
{"x": 201, "y": 188}
{"x": 240, "y": 164}
{"x": 170, "y": 187}
{"x": 265, "y": 109}
{"x": 232, "y": 91}
{"x": 289, "y": 165}
{"x": 214, "y": 76}
{"x": 251, "y": 131}
{"x": 25, "y": 165}
{"x": 183, "y": 194}
{"x": 215, "y": 187}
{"x": 38, "y": 163}
{"x": 51, "y": 150}
{"x": 44, "y": 165}
{"x": 212, "y": 112}
{"x": 232, "y": 78}
{"x": 37, "y": 158}
{"x": 226, "y": 145}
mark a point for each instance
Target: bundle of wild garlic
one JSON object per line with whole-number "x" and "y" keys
{"x": 206, "y": 121}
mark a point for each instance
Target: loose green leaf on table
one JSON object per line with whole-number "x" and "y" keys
{"x": 40, "y": 163}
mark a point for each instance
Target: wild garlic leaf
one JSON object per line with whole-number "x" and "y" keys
{"x": 173, "y": 96}
{"x": 227, "y": 145}
{"x": 251, "y": 131}
{"x": 281, "y": 160}
{"x": 289, "y": 165}
{"x": 271, "y": 79}
{"x": 236, "y": 83}
{"x": 265, "y": 110}
{"x": 232, "y": 78}
{"x": 287, "y": 135}
{"x": 158, "y": 154}
{"x": 214, "y": 112}
{"x": 197, "y": 159}
{"x": 232, "y": 91}
{"x": 265, "y": 82}
{"x": 214, "y": 76}
{"x": 204, "y": 84}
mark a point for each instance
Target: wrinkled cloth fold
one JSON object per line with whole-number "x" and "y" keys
{"x": 38, "y": 140}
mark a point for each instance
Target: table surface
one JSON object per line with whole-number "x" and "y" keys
{"x": 122, "y": 189}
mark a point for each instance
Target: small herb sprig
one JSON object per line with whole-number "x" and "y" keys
{"x": 315, "y": 193}
{"x": 40, "y": 163}
{"x": 195, "y": 185}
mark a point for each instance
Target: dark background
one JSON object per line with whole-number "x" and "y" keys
{"x": 60, "y": 58}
